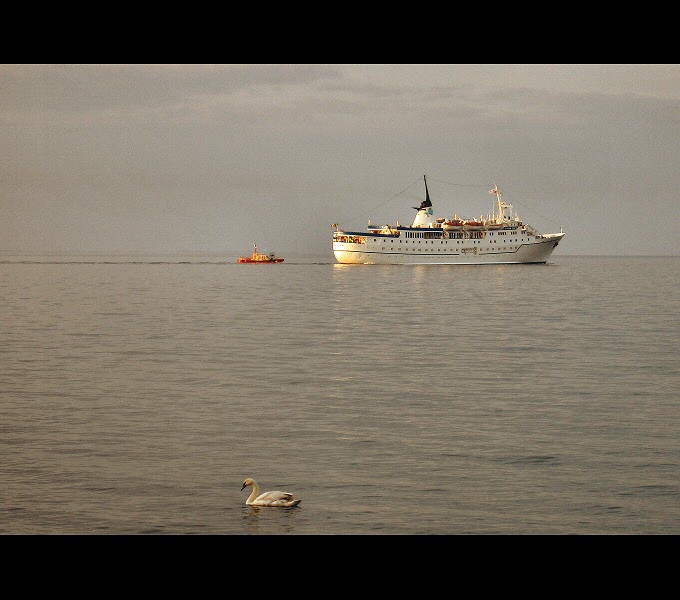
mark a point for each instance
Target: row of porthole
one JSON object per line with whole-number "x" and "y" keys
{"x": 457, "y": 242}
{"x": 439, "y": 249}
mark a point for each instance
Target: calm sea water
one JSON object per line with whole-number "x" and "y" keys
{"x": 136, "y": 395}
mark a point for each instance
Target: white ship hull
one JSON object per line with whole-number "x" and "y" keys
{"x": 500, "y": 239}
{"x": 379, "y": 251}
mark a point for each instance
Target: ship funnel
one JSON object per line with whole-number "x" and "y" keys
{"x": 424, "y": 210}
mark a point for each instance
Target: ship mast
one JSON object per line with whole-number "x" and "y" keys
{"x": 425, "y": 203}
{"x": 501, "y": 205}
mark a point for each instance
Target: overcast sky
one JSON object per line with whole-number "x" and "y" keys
{"x": 173, "y": 159}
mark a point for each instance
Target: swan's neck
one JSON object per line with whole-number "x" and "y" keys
{"x": 254, "y": 494}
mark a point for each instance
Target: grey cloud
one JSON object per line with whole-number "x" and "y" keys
{"x": 82, "y": 88}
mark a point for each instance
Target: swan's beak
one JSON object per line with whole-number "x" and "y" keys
{"x": 243, "y": 486}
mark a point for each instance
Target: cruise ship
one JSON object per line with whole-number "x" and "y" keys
{"x": 499, "y": 238}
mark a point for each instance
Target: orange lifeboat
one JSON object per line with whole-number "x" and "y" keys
{"x": 475, "y": 225}
{"x": 453, "y": 224}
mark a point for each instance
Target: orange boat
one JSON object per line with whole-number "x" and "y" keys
{"x": 259, "y": 257}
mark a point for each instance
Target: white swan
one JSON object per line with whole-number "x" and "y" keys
{"x": 268, "y": 498}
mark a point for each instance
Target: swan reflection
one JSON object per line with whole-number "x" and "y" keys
{"x": 264, "y": 520}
